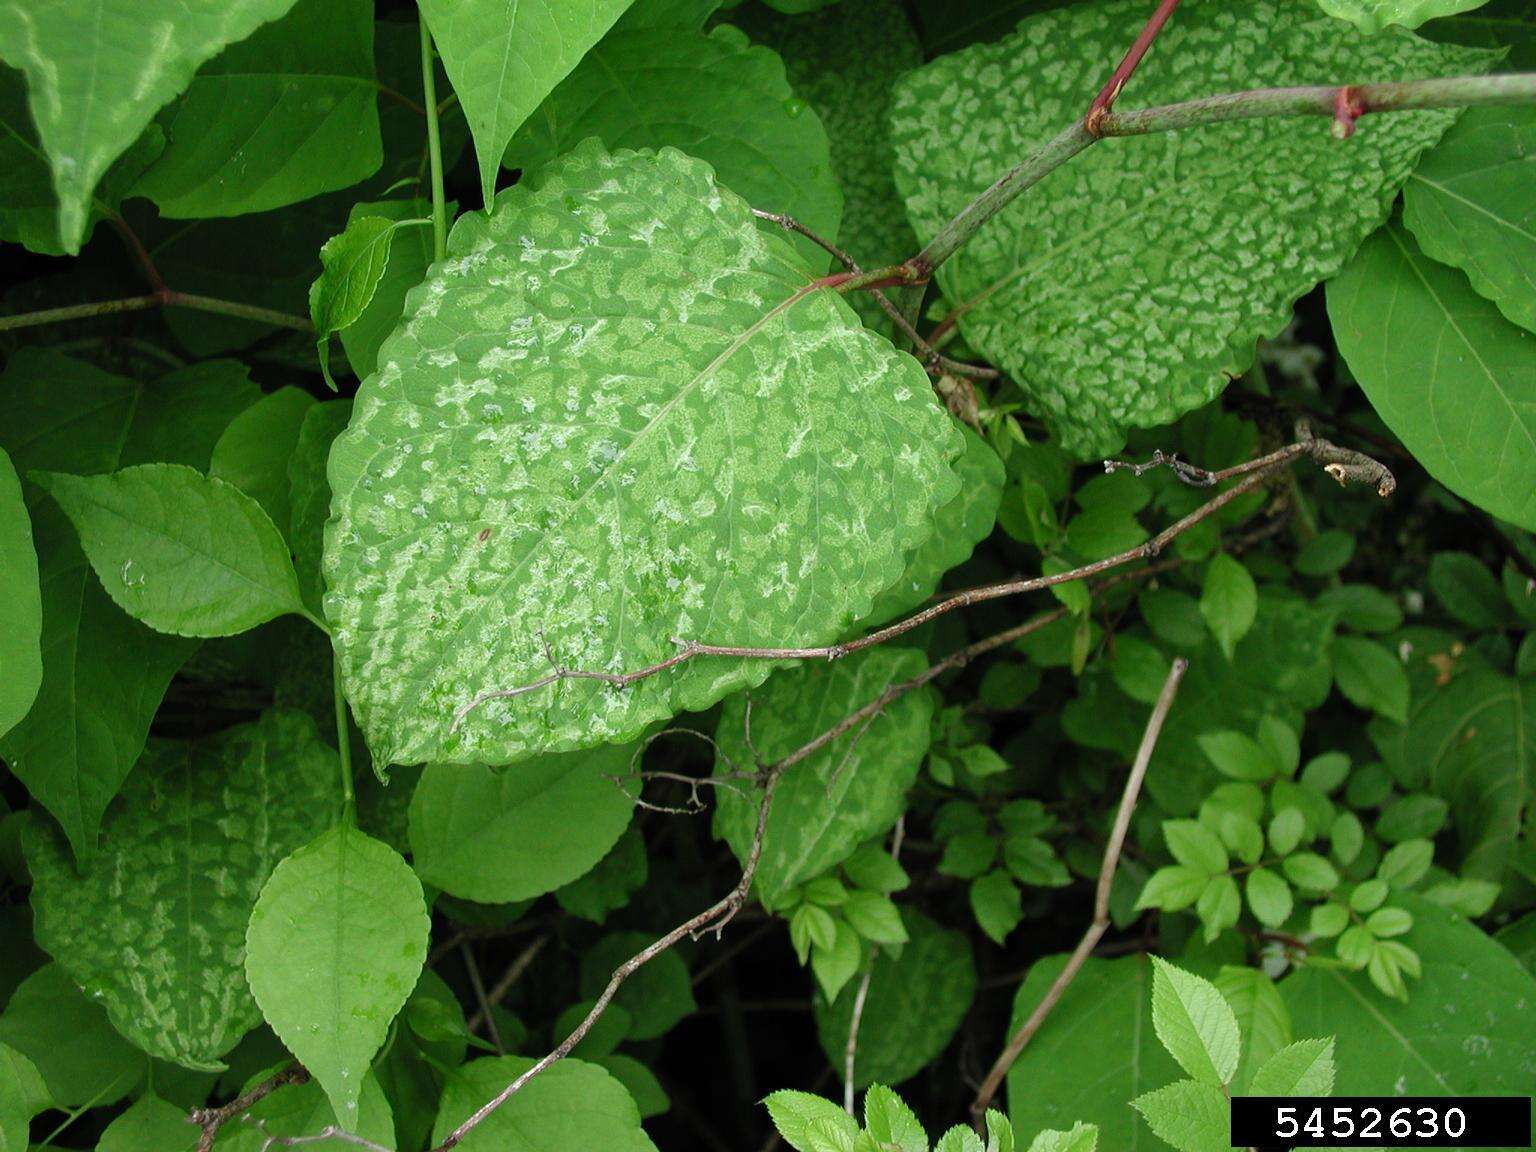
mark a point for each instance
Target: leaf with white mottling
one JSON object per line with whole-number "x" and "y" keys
{"x": 833, "y": 801}
{"x": 714, "y": 96}
{"x": 1131, "y": 284}
{"x": 155, "y": 931}
{"x": 618, "y": 413}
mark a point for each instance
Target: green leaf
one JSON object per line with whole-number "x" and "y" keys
{"x": 835, "y": 966}
{"x": 1262, "y": 1020}
{"x": 255, "y": 451}
{"x": 1195, "y": 846}
{"x": 1406, "y": 864}
{"x": 1470, "y": 744}
{"x": 21, "y": 603}
{"x": 833, "y": 801}
{"x": 302, "y": 1110}
{"x": 1239, "y": 756}
{"x": 1362, "y": 607}
{"x": 996, "y": 905}
{"x": 23, "y": 1095}
{"x": 335, "y": 944}
{"x": 410, "y": 254}
{"x": 1081, "y": 1138}
{"x": 81, "y": 1058}
{"x": 1269, "y": 897}
{"x": 422, "y": 630}
{"x": 1374, "y": 15}
{"x": 1158, "y": 321}
{"x": 809, "y": 1123}
{"x": 1195, "y": 1023}
{"x": 1412, "y": 817}
{"x": 875, "y": 918}
{"x": 658, "y": 996}
{"x": 1172, "y": 889}
{"x": 149, "y": 1125}
{"x": 1311, "y": 872}
{"x": 1385, "y": 1047}
{"x": 504, "y": 62}
{"x": 496, "y": 835}
{"x": 1229, "y": 601}
{"x": 1190, "y": 1115}
{"x": 198, "y": 829}
{"x": 353, "y": 265}
{"x": 1467, "y": 590}
{"x": 283, "y": 116}
{"x": 959, "y": 1139}
{"x": 890, "y": 1122}
{"x": 1371, "y": 677}
{"x": 611, "y": 883}
{"x": 1096, "y": 1050}
{"x": 1219, "y": 906}
{"x": 1304, "y": 1068}
{"x": 714, "y": 96}
{"x": 29, "y": 211}
{"x": 1449, "y": 375}
{"x": 639, "y": 1081}
{"x": 968, "y": 519}
{"x": 96, "y": 76}
{"x": 844, "y": 64}
{"x": 916, "y": 1001}
{"x": 184, "y": 553}
{"x": 1468, "y": 205}
{"x": 1519, "y": 936}
{"x": 103, "y": 673}
{"x": 873, "y": 868}
{"x": 1325, "y": 553}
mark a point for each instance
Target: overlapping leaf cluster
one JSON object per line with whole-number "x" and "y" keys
{"x": 400, "y": 406}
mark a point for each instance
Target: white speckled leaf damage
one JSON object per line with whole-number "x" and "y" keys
{"x": 1123, "y": 290}
{"x": 155, "y": 931}
{"x": 618, "y": 413}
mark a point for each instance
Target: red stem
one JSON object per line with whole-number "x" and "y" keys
{"x": 1105, "y": 100}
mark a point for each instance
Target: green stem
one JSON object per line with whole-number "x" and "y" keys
{"x": 163, "y": 299}
{"x": 434, "y": 145}
{"x": 343, "y": 742}
{"x": 1344, "y": 105}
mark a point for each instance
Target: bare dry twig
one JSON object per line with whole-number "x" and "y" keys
{"x": 1100, "y": 923}
{"x": 210, "y": 1120}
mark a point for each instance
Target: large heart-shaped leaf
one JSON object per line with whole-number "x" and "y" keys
{"x": 155, "y": 931}
{"x": 617, "y": 414}
{"x": 1130, "y": 285}
{"x": 98, "y": 71}
{"x": 1452, "y": 378}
